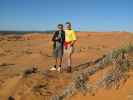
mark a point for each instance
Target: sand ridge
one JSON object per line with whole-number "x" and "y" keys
{"x": 22, "y": 53}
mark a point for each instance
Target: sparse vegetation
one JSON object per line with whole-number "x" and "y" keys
{"x": 120, "y": 69}
{"x": 80, "y": 82}
{"x": 29, "y": 71}
{"x": 113, "y": 78}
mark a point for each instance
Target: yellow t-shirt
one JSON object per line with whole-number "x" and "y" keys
{"x": 70, "y": 35}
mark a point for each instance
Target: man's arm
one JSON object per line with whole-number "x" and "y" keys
{"x": 63, "y": 36}
{"x": 74, "y": 38}
{"x": 54, "y": 36}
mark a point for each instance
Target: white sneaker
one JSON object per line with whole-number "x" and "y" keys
{"x": 59, "y": 69}
{"x": 52, "y": 69}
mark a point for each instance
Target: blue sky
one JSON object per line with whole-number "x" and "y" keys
{"x": 85, "y": 15}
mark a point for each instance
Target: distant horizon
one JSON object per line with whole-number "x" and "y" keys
{"x": 55, "y": 30}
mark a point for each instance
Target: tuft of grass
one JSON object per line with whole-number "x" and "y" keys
{"x": 125, "y": 49}
{"x": 121, "y": 67}
{"x": 67, "y": 92}
{"x": 56, "y": 97}
{"x": 125, "y": 66}
{"x": 30, "y": 71}
{"x": 80, "y": 82}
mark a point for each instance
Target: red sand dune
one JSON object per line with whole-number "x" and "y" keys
{"x": 36, "y": 49}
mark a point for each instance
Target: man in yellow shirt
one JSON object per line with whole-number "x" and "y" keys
{"x": 70, "y": 39}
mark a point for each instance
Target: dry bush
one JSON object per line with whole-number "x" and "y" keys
{"x": 118, "y": 73}
{"x": 80, "y": 82}
{"x": 68, "y": 91}
{"x": 30, "y": 71}
{"x": 42, "y": 89}
{"x": 112, "y": 79}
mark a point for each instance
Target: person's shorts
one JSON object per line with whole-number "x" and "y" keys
{"x": 58, "y": 52}
{"x": 69, "y": 50}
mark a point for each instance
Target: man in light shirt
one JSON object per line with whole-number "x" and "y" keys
{"x": 70, "y": 39}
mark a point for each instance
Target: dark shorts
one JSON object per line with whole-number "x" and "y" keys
{"x": 58, "y": 52}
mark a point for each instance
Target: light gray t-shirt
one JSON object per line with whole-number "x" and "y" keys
{"x": 59, "y": 44}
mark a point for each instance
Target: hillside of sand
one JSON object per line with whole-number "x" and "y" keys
{"x": 21, "y": 53}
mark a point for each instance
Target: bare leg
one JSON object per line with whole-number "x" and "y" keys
{"x": 60, "y": 61}
{"x": 56, "y": 63}
{"x": 69, "y": 62}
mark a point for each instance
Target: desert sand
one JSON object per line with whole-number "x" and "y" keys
{"x": 17, "y": 55}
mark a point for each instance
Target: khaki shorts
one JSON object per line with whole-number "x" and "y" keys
{"x": 69, "y": 50}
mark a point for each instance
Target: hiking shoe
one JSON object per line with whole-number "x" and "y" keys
{"x": 10, "y": 98}
{"x": 69, "y": 69}
{"x": 52, "y": 69}
{"x": 34, "y": 70}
